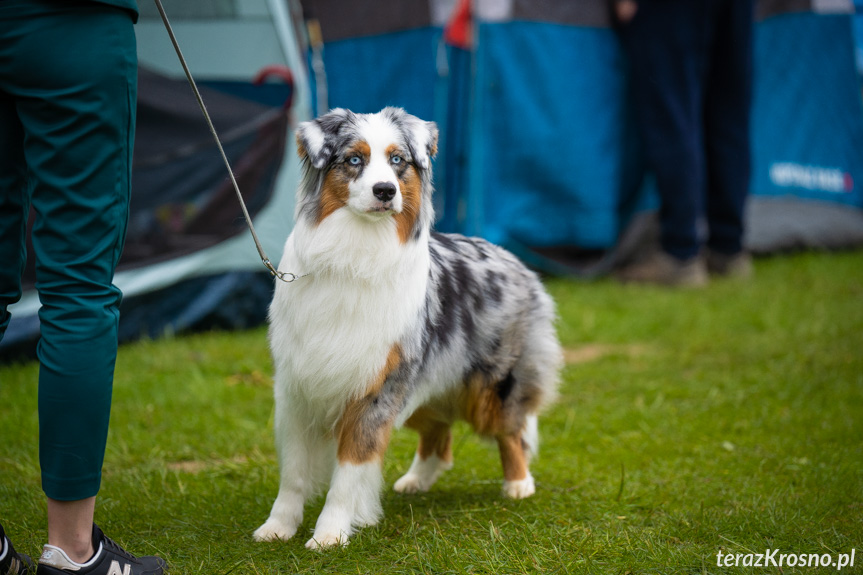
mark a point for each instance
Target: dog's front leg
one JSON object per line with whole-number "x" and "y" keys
{"x": 303, "y": 457}
{"x": 354, "y": 496}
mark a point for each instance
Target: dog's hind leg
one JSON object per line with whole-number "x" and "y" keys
{"x": 530, "y": 436}
{"x": 515, "y": 455}
{"x": 433, "y": 456}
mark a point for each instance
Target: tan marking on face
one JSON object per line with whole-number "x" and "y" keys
{"x": 512, "y": 456}
{"x": 360, "y": 148}
{"x": 394, "y": 149}
{"x": 435, "y": 434}
{"x": 359, "y": 440}
{"x": 411, "y": 188}
{"x": 335, "y": 192}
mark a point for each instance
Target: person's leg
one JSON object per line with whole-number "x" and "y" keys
{"x": 14, "y": 207}
{"x": 72, "y": 71}
{"x": 70, "y": 527}
{"x": 73, "y": 80}
{"x": 77, "y": 108}
{"x": 666, "y": 46}
{"x": 726, "y": 118}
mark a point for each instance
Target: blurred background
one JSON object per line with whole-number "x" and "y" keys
{"x": 537, "y": 152}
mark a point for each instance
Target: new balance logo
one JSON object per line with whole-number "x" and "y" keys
{"x": 115, "y": 569}
{"x": 14, "y": 567}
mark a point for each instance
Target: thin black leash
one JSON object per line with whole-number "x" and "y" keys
{"x": 284, "y": 276}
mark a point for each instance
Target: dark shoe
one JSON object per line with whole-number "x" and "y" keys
{"x": 110, "y": 559}
{"x": 661, "y": 268}
{"x": 12, "y": 562}
{"x": 737, "y": 265}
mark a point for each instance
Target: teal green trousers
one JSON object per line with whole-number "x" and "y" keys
{"x": 68, "y": 83}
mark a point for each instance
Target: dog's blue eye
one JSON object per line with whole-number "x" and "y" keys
{"x": 355, "y": 160}
{"x": 396, "y": 160}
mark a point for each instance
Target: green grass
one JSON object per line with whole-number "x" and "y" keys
{"x": 689, "y": 422}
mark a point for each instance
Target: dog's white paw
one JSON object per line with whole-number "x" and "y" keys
{"x": 274, "y": 530}
{"x": 520, "y": 488}
{"x": 422, "y": 474}
{"x": 327, "y": 540}
{"x": 410, "y": 483}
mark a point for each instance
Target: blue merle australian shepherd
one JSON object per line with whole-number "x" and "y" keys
{"x": 394, "y": 325}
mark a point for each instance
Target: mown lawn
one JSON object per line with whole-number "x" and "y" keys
{"x": 690, "y": 423}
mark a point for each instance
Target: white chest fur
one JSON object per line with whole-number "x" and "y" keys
{"x": 331, "y": 332}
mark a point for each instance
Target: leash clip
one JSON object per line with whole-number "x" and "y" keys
{"x": 286, "y": 277}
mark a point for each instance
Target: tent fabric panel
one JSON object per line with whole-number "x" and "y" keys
{"x": 192, "y": 205}
{"x": 341, "y": 20}
{"x": 807, "y": 120}
{"x": 397, "y": 69}
{"x": 547, "y": 139}
{"x": 233, "y": 300}
{"x": 189, "y": 9}
{"x": 590, "y": 13}
{"x": 170, "y": 119}
{"x": 786, "y": 223}
{"x": 453, "y": 159}
{"x": 767, "y": 8}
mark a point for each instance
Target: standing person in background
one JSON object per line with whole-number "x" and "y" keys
{"x": 691, "y": 79}
{"x": 68, "y": 85}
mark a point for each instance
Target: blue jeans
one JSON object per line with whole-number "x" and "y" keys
{"x": 691, "y": 79}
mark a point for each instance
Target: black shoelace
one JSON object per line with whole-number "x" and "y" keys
{"x": 112, "y": 545}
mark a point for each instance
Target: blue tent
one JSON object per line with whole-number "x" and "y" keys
{"x": 537, "y": 149}
{"x": 807, "y": 176}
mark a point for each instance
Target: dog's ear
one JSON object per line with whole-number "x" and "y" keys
{"x": 423, "y": 142}
{"x": 420, "y": 136}
{"x": 317, "y": 139}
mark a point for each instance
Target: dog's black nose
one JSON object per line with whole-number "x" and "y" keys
{"x": 384, "y": 191}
